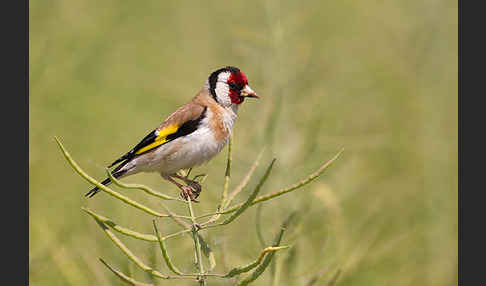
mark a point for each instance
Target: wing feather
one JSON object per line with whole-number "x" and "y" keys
{"x": 183, "y": 121}
{"x": 160, "y": 139}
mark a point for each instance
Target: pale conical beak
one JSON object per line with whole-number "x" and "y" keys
{"x": 248, "y": 92}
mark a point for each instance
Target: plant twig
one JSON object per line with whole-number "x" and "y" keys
{"x": 164, "y": 252}
{"x": 129, "y": 253}
{"x": 293, "y": 187}
{"x": 261, "y": 268}
{"x": 239, "y": 270}
{"x": 144, "y": 188}
{"x": 177, "y": 218}
{"x": 123, "y": 276}
{"x": 207, "y": 251}
{"x": 258, "y": 225}
{"x": 104, "y": 188}
{"x": 197, "y": 244}
{"x": 227, "y": 174}
{"x": 137, "y": 260}
{"x": 129, "y": 232}
{"x": 252, "y": 196}
{"x": 277, "y": 261}
{"x": 200, "y": 246}
{"x": 120, "y": 229}
{"x": 245, "y": 180}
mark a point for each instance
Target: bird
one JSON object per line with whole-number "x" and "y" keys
{"x": 189, "y": 137}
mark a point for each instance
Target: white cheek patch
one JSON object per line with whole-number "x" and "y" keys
{"x": 222, "y": 89}
{"x": 224, "y": 76}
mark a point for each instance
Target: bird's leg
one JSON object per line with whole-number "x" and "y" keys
{"x": 187, "y": 191}
{"x": 191, "y": 183}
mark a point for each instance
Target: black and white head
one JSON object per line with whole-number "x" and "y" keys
{"x": 229, "y": 86}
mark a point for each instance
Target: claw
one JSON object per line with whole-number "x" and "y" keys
{"x": 196, "y": 187}
{"x": 189, "y": 192}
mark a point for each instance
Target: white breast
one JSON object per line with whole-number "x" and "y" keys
{"x": 191, "y": 150}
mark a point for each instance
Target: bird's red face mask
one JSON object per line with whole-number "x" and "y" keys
{"x": 229, "y": 86}
{"x": 239, "y": 88}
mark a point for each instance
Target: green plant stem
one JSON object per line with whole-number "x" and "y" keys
{"x": 278, "y": 270}
{"x": 129, "y": 232}
{"x": 104, "y": 188}
{"x": 258, "y": 225}
{"x": 120, "y": 229}
{"x": 144, "y": 188}
{"x": 209, "y": 214}
{"x": 291, "y": 188}
{"x": 243, "y": 182}
{"x": 197, "y": 244}
{"x": 137, "y": 260}
{"x": 227, "y": 174}
{"x": 208, "y": 252}
{"x": 129, "y": 253}
{"x": 262, "y": 266}
{"x": 176, "y": 234}
{"x": 246, "y": 268}
{"x": 163, "y": 249}
{"x": 123, "y": 276}
{"x": 253, "y": 195}
{"x": 245, "y": 205}
{"x": 259, "y": 265}
{"x": 177, "y": 218}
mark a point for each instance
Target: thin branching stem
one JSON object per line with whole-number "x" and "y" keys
{"x": 177, "y": 218}
{"x": 243, "y": 182}
{"x": 208, "y": 252}
{"x": 124, "y": 277}
{"x": 263, "y": 265}
{"x": 197, "y": 244}
{"x": 209, "y": 214}
{"x": 252, "y": 196}
{"x": 293, "y": 187}
{"x": 258, "y": 225}
{"x": 129, "y": 232}
{"x": 144, "y": 188}
{"x": 176, "y": 234}
{"x": 137, "y": 260}
{"x": 104, "y": 188}
{"x": 163, "y": 249}
{"x": 227, "y": 174}
{"x": 129, "y": 253}
{"x": 120, "y": 229}
{"x": 200, "y": 246}
{"x": 239, "y": 270}
{"x": 277, "y": 261}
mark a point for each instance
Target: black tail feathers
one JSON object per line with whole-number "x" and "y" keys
{"x": 95, "y": 190}
{"x": 117, "y": 172}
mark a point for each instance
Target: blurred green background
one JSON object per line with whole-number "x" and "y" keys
{"x": 378, "y": 78}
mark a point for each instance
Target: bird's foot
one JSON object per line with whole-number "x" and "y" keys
{"x": 196, "y": 187}
{"x": 191, "y": 191}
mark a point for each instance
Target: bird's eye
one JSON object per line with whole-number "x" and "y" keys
{"x": 233, "y": 86}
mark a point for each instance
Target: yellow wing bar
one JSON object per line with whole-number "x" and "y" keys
{"x": 160, "y": 139}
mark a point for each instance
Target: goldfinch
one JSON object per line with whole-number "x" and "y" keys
{"x": 192, "y": 135}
